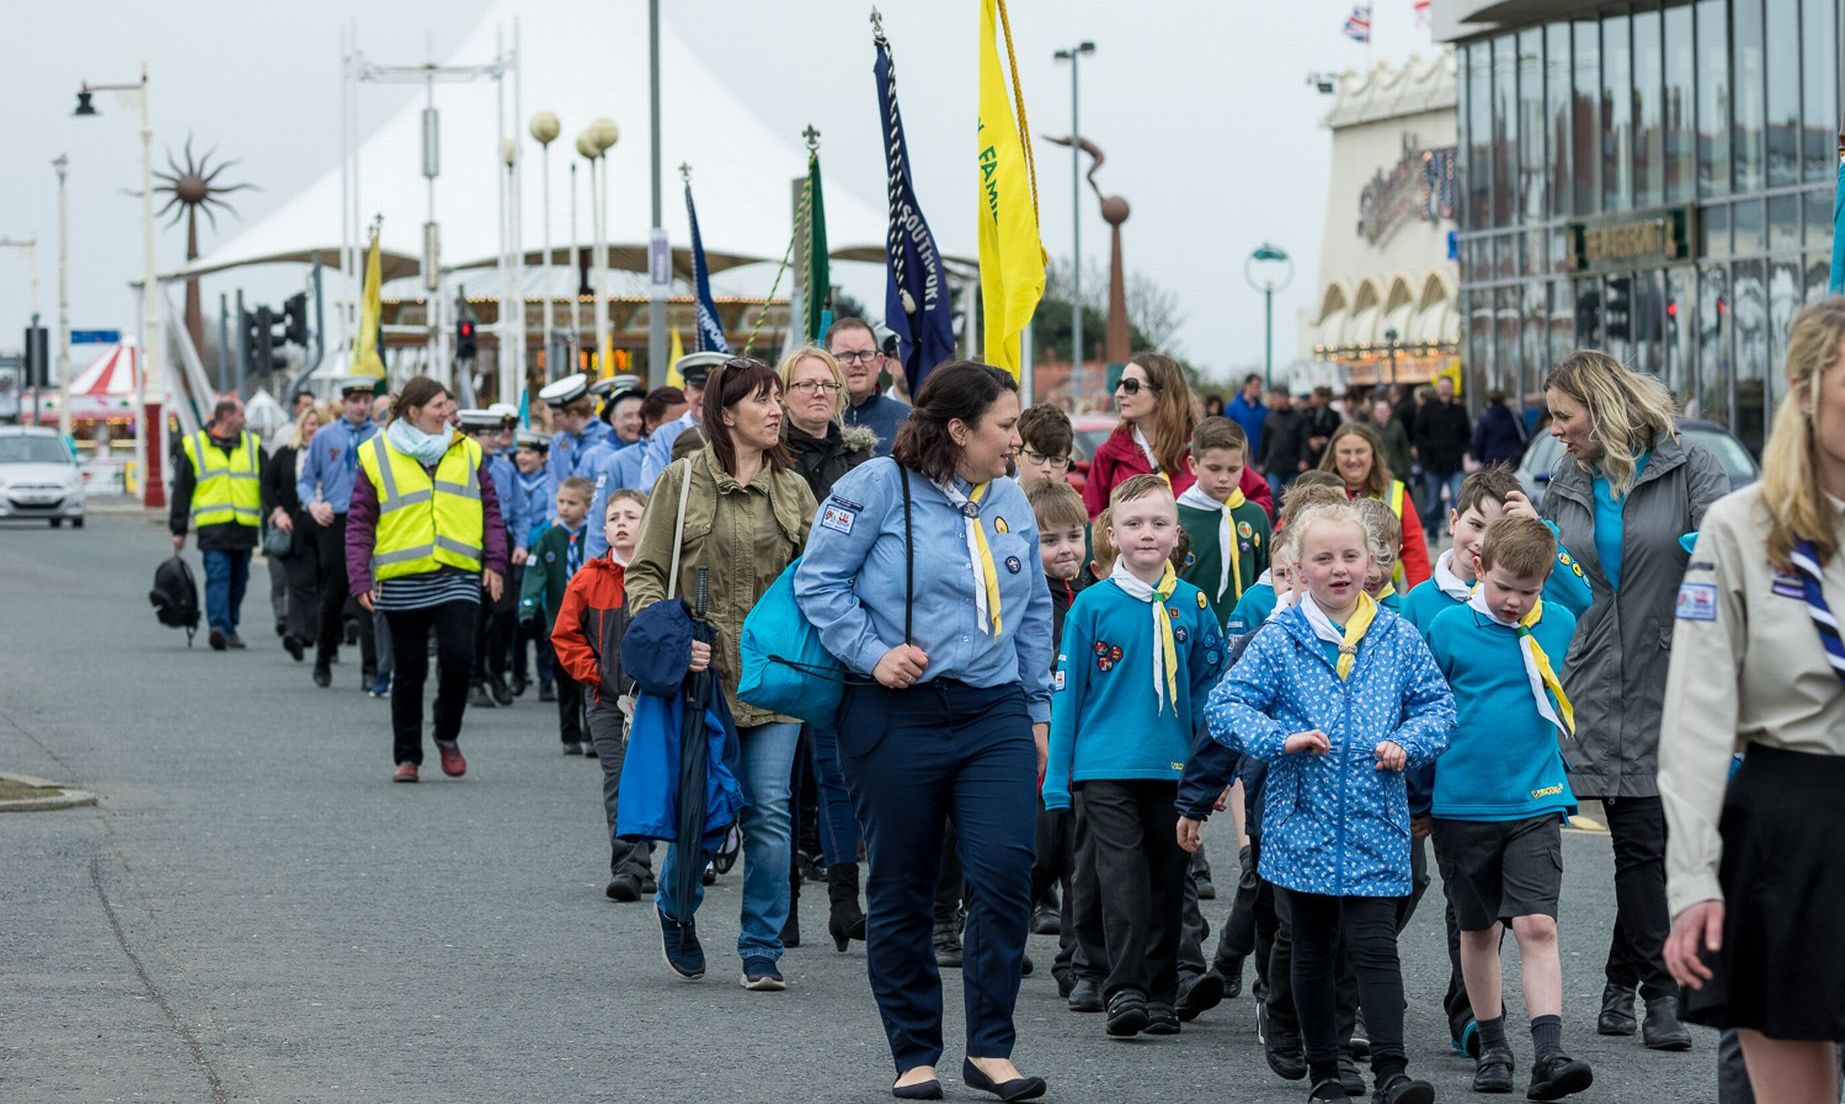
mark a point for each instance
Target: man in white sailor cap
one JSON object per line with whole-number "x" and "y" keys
{"x": 580, "y": 439}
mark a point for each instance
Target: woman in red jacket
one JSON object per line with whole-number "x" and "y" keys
{"x": 1356, "y": 455}
{"x": 1157, "y": 416}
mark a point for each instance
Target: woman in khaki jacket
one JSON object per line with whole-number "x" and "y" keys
{"x": 1755, "y": 882}
{"x": 746, "y": 519}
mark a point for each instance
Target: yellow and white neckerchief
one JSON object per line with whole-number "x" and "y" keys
{"x": 980, "y": 554}
{"x": 1146, "y": 450}
{"x": 1447, "y": 581}
{"x": 1355, "y": 629}
{"x": 1166, "y": 657}
{"x": 1538, "y": 671}
{"x": 1229, "y": 560}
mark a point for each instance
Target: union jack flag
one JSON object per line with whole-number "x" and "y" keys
{"x": 1358, "y": 24}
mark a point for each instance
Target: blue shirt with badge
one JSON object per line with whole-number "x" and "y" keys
{"x": 850, "y": 582}
{"x": 659, "y": 448}
{"x": 526, "y": 515}
{"x": 574, "y": 454}
{"x": 611, "y": 471}
{"x": 333, "y": 458}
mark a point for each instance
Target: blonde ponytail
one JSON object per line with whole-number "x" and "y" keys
{"x": 1791, "y": 493}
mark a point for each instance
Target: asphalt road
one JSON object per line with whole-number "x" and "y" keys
{"x": 254, "y": 912}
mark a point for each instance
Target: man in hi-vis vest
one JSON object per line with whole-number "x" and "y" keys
{"x": 218, "y": 491}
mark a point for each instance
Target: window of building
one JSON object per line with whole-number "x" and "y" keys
{"x": 1478, "y": 304}
{"x": 1617, "y": 114}
{"x": 1557, "y": 111}
{"x": 1533, "y": 170}
{"x": 1681, "y": 349}
{"x": 1752, "y": 346}
{"x": 1479, "y": 136}
{"x": 1713, "y": 322}
{"x": 1819, "y": 276}
{"x": 1783, "y": 223}
{"x": 1649, "y": 113}
{"x": 1782, "y": 68}
{"x": 1819, "y": 79}
{"x": 1562, "y": 323}
{"x": 1506, "y": 357}
{"x": 1586, "y": 125}
{"x": 1747, "y": 46}
{"x": 1618, "y": 316}
{"x": 1785, "y": 297}
{"x": 1819, "y": 217}
{"x": 1649, "y": 321}
{"x": 1714, "y": 231}
{"x": 1505, "y": 131}
{"x": 1533, "y": 332}
{"x": 1713, "y": 39}
{"x": 1746, "y": 228}
{"x": 1681, "y": 128}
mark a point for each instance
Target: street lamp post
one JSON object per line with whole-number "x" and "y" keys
{"x": 1073, "y": 55}
{"x": 30, "y": 248}
{"x": 151, "y": 423}
{"x": 595, "y": 145}
{"x": 1269, "y": 255}
{"x": 1391, "y": 336}
{"x": 659, "y": 260}
{"x": 545, "y": 129}
{"x": 62, "y": 165}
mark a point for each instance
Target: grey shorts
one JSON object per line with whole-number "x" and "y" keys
{"x": 1497, "y": 869}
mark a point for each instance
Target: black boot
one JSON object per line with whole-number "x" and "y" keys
{"x": 947, "y": 940}
{"x": 1662, "y": 1029}
{"x": 1617, "y": 1016}
{"x": 845, "y": 920}
{"x": 791, "y": 931}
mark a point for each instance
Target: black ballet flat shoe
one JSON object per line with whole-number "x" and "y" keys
{"x": 922, "y": 1090}
{"x": 1019, "y": 1088}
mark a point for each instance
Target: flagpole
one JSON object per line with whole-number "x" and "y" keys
{"x": 576, "y": 283}
{"x": 544, "y": 128}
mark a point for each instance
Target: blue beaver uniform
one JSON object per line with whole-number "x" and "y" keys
{"x": 659, "y": 446}
{"x": 526, "y": 516}
{"x": 1503, "y": 761}
{"x": 608, "y": 475}
{"x": 957, "y": 744}
{"x": 1334, "y": 824}
{"x": 1252, "y": 608}
{"x": 574, "y": 454}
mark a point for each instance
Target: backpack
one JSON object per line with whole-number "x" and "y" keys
{"x": 175, "y": 596}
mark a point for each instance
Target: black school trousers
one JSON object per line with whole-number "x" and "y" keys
{"x": 453, "y": 624}
{"x": 1368, "y": 928}
{"x": 1141, "y": 876}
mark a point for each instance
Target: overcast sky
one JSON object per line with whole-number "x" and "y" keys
{"x": 1211, "y": 132}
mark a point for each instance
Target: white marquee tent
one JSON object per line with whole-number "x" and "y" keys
{"x": 580, "y": 60}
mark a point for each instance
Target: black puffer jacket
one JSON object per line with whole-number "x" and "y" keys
{"x": 822, "y": 460}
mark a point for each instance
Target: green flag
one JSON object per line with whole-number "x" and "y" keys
{"x": 819, "y": 288}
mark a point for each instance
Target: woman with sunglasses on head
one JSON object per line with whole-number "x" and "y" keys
{"x": 923, "y": 578}
{"x": 746, "y": 517}
{"x": 814, "y": 392}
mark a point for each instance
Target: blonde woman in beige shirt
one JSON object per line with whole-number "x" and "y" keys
{"x": 1756, "y": 864}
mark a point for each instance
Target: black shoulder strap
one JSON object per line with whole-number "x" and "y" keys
{"x": 909, "y": 556}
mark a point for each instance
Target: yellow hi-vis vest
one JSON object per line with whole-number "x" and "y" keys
{"x": 424, "y": 523}
{"x": 226, "y": 488}
{"x": 1395, "y": 497}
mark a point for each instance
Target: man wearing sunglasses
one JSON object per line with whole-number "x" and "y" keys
{"x": 855, "y": 345}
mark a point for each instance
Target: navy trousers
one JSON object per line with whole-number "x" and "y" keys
{"x": 913, "y": 758}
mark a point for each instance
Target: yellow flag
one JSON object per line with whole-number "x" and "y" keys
{"x": 673, "y": 353}
{"x": 1012, "y": 257}
{"x": 366, "y": 360}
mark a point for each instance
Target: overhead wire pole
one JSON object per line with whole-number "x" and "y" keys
{"x": 62, "y": 165}
{"x": 659, "y": 258}
{"x": 1073, "y": 55}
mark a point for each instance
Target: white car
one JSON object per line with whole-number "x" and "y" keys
{"x": 39, "y": 477}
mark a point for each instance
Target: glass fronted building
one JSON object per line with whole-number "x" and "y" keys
{"x": 1651, "y": 179}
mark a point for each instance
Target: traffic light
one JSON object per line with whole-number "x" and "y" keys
{"x": 295, "y": 320}
{"x": 464, "y": 339}
{"x": 260, "y": 340}
{"x": 38, "y": 357}
{"x": 1619, "y": 309}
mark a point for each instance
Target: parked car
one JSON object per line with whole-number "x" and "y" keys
{"x": 39, "y": 477}
{"x": 1091, "y": 430}
{"x": 1544, "y": 456}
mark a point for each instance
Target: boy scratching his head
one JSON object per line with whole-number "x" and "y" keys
{"x": 1139, "y": 654}
{"x": 1502, "y": 791}
{"x": 1229, "y": 534}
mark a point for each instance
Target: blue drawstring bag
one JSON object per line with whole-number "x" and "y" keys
{"x": 785, "y": 667}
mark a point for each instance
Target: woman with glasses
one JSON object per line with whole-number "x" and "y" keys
{"x": 1157, "y": 418}
{"x": 813, "y": 390}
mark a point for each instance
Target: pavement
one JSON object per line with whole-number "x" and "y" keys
{"x": 253, "y": 912}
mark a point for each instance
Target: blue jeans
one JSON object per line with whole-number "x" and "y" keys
{"x": 768, "y": 843}
{"x": 227, "y": 573}
{"x": 839, "y": 833}
{"x": 1429, "y": 497}
{"x": 1277, "y": 481}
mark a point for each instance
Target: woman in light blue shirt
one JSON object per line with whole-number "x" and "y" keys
{"x": 951, "y": 721}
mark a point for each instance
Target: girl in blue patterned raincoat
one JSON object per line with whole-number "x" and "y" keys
{"x": 1339, "y": 696}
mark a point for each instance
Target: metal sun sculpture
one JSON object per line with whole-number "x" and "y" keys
{"x": 190, "y": 190}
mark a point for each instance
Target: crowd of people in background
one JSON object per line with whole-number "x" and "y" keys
{"x": 1340, "y": 623}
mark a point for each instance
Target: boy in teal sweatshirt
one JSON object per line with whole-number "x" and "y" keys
{"x": 1229, "y": 535}
{"x": 1140, "y": 652}
{"x": 1502, "y": 792}
{"x": 1486, "y": 496}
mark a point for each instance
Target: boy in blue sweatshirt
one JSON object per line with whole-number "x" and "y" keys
{"x": 1502, "y": 792}
{"x": 1140, "y": 652}
{"x": 1486, "y": 496}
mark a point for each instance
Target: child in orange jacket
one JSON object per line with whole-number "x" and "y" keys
{"x": 591, "y": 621}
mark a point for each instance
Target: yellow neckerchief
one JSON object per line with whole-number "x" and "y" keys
{"x": 1390, "y": 589}
{"x": 1355, "y": 628}
{"x": 1538, "y": 670}
{"x": 1230, "y": 561}
{"x": 986, "y": 574}
{"x": 1166, "y": 660}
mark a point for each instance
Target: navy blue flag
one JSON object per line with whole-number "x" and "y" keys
{"x": 916, "y": 301}
{"x": 710, "y": 335}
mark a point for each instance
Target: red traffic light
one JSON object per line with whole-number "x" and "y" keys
{"x": 1672, "y": 309}
{"x": 467, "y": 329}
